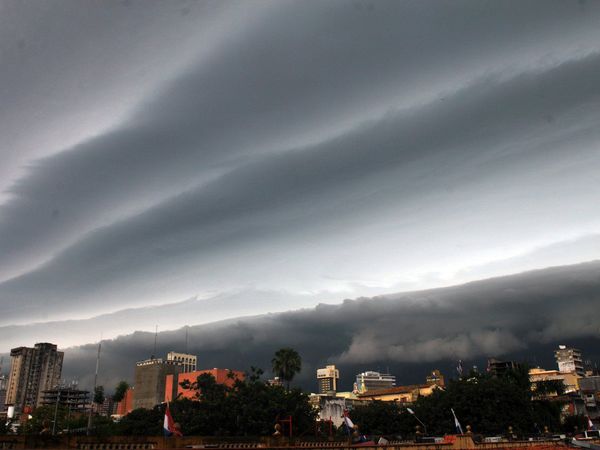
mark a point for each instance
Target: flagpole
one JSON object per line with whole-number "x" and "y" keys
{"x": 418, "y": 420}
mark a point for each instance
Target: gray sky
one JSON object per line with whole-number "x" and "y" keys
{"x": 524, "y": 316}
{"x": 267, "y": 156}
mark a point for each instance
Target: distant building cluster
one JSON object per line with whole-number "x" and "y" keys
{"x": 34, "y": 380}
{"x": 580, "y": 393}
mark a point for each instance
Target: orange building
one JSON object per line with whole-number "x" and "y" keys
{"x": 221, "y": 376}
{"x": 125, "y": 406}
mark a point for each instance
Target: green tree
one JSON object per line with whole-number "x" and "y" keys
{"x": 548, "y": 388}
{"x": 379, "y": 418}
{"x": 286, "y": 364}
{"x": 120, "y": 391}
{"x": 247, "y": 408}
{"x": 489, "y": 404}
{"x": 142, "y": 422}
{"x": 44, "y": 415}
{"x": 99, "y": 395}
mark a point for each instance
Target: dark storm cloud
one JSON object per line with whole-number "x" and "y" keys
{"x": 290, "y": 132}
{"x": 520, "y": 314}
{"x": 281, "y": 193}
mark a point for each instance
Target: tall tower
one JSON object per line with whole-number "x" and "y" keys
{"x": 327, "y": 379}
{"x": 32, "y": 371}
{"x": 569, "y": 360}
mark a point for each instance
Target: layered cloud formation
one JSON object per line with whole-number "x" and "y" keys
{"x": 156, "y": 152}
{"x": 522, "y": 315}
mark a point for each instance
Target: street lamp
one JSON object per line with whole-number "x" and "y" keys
{"x": 418, "y": 420}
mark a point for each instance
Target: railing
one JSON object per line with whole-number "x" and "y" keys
{"x": 462, "y": 442}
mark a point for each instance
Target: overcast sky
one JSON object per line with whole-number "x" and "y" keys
{"x": 269, "y": 155}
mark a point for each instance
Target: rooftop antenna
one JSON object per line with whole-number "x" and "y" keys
{"x": 186, "y": 338}
{"x": 155, "y": 340}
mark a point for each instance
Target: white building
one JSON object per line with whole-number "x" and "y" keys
{"x": 189, "y": 362}
{"x": 374, "y": 381}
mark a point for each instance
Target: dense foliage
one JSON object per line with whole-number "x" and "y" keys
{"x": 248, "y": 408}
{"x": 489, "y": 404}
{"x": 99, "y": 395}
{"x": 120, "y": 391}
{"x": 286, "y": 364}
{"x": 43, "y": 418}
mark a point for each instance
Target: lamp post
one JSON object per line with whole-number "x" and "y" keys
{"x": 418, "y": 420}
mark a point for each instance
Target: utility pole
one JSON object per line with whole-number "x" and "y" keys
{"x": 56, "y": 411}
{"x": 89, "y": 424}
{"x": 155, "y": 341}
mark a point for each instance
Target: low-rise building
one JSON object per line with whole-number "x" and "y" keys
{"x": 570, "y": 380}
{"x": 402, "y": 394}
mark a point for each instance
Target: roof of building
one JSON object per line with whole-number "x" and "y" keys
{"x": 395, "y": 390}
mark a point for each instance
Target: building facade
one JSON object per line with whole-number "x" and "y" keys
{"x": 327, "y": 379}
{"x": 125, "y": 406}
{"x": 374, "y": 381}
{"x": 150, "y": 378}
{"x": 3, "y": 384}
{"x": 188, "y": 362}
{"x": 401, "y": 394}
{"x": 569, "y": 360}
{"x": 435, "y": 377}
{"x": 70, "y": 397}
{"x": 33, "y": 371}
{"x": 173, "y": 382}
{"x": 499, "y": 368}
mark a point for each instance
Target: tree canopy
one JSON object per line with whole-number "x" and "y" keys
{"x": 248, "y": 408}
{"x": 286, "y": 364}
{"x": 120, "y": 391}
{"x": 489, "y": 404}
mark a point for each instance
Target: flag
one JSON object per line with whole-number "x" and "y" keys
{"x": 459, "y": 429}
{"x": 348, "y": 422}
{"x": 169, "y": 427}
{"x": 590, "y": 424}
{"x": 459, "y": 368}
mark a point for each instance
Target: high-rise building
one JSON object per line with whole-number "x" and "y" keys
{"x": 569, "y": 360}
{"x": 188, "y": 362}
{"x": 33, "y": 371}
{"x": 150, "y": 381}
{"x": 327, "y": 378}
{"x": 499, "y": 368}
{"x": 374, "y": 381}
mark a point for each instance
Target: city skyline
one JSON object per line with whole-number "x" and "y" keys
{"x": 210, "y": 163}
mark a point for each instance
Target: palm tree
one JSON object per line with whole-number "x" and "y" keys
{"x": 286, "y": 364}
